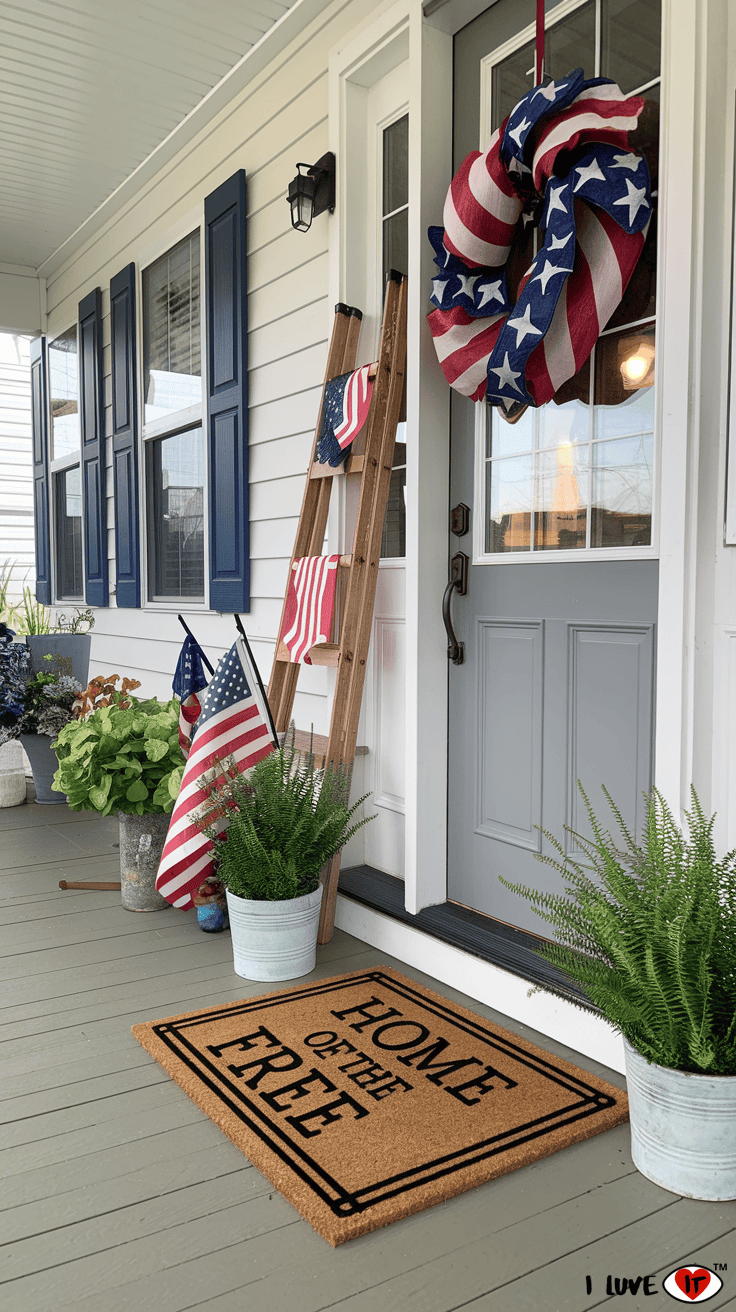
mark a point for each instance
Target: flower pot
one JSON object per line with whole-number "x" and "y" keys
{"x": 12, "y": 775}
{"x": 39, "y": 749}
{"x": 142, "y": 839}
{"x": 71, "y": 652}
{"x": 274, "y": 940}
{"x": 683, "y": 1128}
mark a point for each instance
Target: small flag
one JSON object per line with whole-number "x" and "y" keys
{"x": 189, "y": 680}
{"x": 310, "y": 605}
{"x": 231, "y": 724}
{"x": 344, "y": 412}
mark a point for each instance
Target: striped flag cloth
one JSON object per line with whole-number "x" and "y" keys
{"x": 347, "y": 401}
{"x": 231, "y": 724}
{"x": 594, "y": 217}
{"x": 189, "y": 680}
{"x": 310, "y": 605}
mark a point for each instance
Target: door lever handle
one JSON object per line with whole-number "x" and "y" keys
{"x": 458, "y": 582}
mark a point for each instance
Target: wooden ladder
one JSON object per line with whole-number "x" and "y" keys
{"x": 371, "y": 461}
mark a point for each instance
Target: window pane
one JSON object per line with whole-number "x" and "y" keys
{"x": 505, "y": 439}
{"x": 64, "y": 393}
{"x": 511, "y": 80}
{"x": 396, "y": 165}
{"x": 624, "y": 368}
{"x": 621, "y": 514}
{"x": 563, "y": 423}
{"x": 510, "y": 503}
{"x": 630, "y": 39}
{"x": 69, "y": 577}
{"x": 396, "y": 244}
{"x": 171, "y": 331}
{"x": 571, "y": 44}
{"x": 175, "y": 518}
{"x": 561, "y": 498}
{"x": 393, "y": 541}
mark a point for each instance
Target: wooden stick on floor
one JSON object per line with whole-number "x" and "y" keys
{"x": 101, "y": 884}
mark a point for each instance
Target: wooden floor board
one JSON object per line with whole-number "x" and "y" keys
{"x": 118, "y": 1193}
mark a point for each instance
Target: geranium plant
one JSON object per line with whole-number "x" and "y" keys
{"x": 124, "y": 756}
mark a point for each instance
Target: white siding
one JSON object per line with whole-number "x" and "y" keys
{"x": 16, "y": 466}
{"x": 279, "y": 119}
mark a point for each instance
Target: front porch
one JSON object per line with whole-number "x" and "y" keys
{"x": 118, "y": 1193}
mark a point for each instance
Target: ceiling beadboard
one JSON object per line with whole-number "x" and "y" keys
{"x": 89, "y": 88}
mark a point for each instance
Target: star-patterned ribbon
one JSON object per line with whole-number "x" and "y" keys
{"x": 594, "y": 215}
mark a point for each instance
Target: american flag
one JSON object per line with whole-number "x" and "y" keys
{"x": 345, "y": 409}
{"x": 594, "y": 219}
{"x": 310, "y": 605}
{"x": 189, "y": 680}
{"x": 231, "y": 724}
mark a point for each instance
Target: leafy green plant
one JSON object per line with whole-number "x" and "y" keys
{"x": 284, "y": 821}
{"x": 123, "y": 757}
{"x": 648, "y": 931}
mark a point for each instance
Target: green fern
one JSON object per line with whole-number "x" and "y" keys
{"x": 284, "y": 821}
{"x": 649, "y": 934}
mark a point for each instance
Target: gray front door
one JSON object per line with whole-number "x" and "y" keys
{"x": 559, "y": 618}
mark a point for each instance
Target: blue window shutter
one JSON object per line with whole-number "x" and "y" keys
{"x": 125, "y": 437}
{"x": 40, "y": 425}
{"x": 227, "y": 395}
{"x": 92, "y": 417}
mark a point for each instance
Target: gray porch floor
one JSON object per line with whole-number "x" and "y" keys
{"x": 117, "y": 1193}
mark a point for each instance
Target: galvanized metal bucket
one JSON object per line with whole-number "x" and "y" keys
{"x": 683, "y": 1128}
{"x": 142, "y": 839}
{"x": 274, "y": 940}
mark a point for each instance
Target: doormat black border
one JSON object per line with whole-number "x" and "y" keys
{"x": 490, "y": 940}
{"x": 586, "y": 1100}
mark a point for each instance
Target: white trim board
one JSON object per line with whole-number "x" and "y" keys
{"x": 552, "y": 1016}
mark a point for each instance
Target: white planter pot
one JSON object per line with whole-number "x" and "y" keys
{"x": 12, "y": 775}
{"x": 683, "y": 1128}
{"x": 274, "y": 940}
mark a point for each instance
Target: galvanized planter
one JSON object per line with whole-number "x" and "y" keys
{"x": 683, "y": 1128}
{"x": 274, "y": 940}
{"x": 142, "y": 839}
{"x": 70, "y": 652}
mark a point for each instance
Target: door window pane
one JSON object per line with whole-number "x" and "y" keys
{"x": 511, "y": 80}
{"x": 395, "y": 255}
{"x": 509, "y": 498}
{"x": 571, "y": 43}
{"x": 69, "y": 576}
{"x": 621, "y": 513}
{"x": 64, "y": 394}
{"x": 393, "y": 541}
{"x": 624, "y": 377}
{"x": 396, "y": 165}
{"x": 171, "y": 331}
{"x": 630, "y": 41}
{"x": 505, "y": 439}
{"x": 396, "y": 244}
{"x": 175, "y": 515}
{"x": 561, "y": 498}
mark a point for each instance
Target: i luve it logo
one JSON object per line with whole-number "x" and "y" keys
{"x": 692, "y": 1284}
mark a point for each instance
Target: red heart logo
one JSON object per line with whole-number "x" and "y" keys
{"x": 693, "y": 1282}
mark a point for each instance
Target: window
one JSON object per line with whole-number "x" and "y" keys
{"x": 172, "y": 432}
{"x": 64, "y": 468}
{"x": 394, "y": 247}
{"x": 577, "y": 474}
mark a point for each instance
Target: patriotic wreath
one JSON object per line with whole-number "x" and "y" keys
{"x": 593, "y": 206}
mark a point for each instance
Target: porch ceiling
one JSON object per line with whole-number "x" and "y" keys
{"x": 90, "y": 88}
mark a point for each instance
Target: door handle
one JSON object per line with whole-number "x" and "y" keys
{"x": 458, "y": 582}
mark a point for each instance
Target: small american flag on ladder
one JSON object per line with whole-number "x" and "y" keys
{"x": 310, "y": 605}
{"x": 344, "y": 412}
{"x": 232, "y": 723}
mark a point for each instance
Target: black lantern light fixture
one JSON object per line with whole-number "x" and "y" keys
{"x": 312, "y": 192}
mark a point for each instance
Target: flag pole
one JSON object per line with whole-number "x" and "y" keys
{"x": 251, "y": 657}
{"x": 186, "y": 627}
{"x": 539, "y": 44}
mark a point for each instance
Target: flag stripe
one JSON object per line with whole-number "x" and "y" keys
{"x": 310, "y": 605}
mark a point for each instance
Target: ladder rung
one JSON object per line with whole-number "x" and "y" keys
{"x": 325, "y": 653}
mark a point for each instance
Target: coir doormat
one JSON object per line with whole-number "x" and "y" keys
{"x": 366, "y": 1097}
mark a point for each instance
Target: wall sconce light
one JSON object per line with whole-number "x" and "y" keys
{"x": 637, "y": 366}
{"x": 313, "y": 192}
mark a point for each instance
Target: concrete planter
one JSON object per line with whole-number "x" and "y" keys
{"x": 12, "y": 775}
{"x": 40, "y": 752}
{"x": 71, "y": 651}
{"x": 683, "y": 1128}
{"x": 142, "y": 839}
{"x": 274, "y": 940}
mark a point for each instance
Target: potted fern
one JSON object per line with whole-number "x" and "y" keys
{"x": 284, "y": 821}
{"x": 648, "y": 931}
